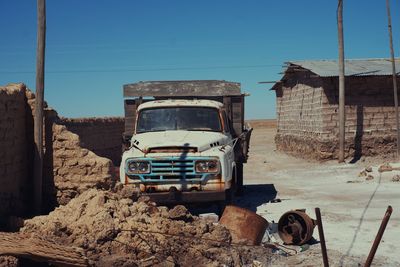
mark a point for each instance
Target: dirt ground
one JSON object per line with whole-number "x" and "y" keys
{"x": 352, "y": 207}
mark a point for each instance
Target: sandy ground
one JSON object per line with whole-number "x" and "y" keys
{"x": 351, "y": 211}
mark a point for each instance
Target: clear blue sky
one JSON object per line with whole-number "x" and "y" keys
{"x": 96, "y": 46}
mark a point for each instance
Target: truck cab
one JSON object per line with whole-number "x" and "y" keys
{"x": 181, "y": 148}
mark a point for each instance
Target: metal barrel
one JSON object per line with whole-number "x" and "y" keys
{"x": 244, "y": 225}
{"x": 295, "y": 227}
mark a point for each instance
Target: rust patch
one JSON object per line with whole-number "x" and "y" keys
{"x": 244, "y": 225}
{"x": 296, "y": 227}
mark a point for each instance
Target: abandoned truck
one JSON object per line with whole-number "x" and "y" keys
{"x": 186, "y": 141}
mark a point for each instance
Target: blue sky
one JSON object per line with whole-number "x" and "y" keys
{"x": 96, "y": 46}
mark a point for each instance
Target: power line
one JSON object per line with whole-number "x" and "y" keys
{"x": 150, "y": 69}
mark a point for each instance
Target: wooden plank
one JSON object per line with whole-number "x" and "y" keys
{"x": 182, "y": 88}
{"x": 42, "y": 250}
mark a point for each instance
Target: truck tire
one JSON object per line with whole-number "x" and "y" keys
{"x": 239, "y": 178}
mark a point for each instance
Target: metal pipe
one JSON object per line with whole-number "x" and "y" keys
{"x": 378, "y": 237}
{"x": 321, "y": 237}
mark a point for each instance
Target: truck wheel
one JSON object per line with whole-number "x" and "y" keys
{"x": 239, "y": 179}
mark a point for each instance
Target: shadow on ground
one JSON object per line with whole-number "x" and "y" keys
{"x": 253, "y": 196}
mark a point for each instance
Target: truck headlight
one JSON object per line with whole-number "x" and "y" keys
{"x": 208, "y": 166}
{"x": 138, "y": 167}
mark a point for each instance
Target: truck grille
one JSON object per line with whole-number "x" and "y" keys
{"x": 172, "y": 167}
{"x": 173, "y": 170}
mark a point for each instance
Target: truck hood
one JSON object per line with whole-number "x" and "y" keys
{"x": 201, "y": 140}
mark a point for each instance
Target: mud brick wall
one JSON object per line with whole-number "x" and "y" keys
{"x": 370, "y": 116}
{"x": 71, "y": 169}
{"x": 68, "y": 169}
{"x": 369, "y": 106}
{"x": 103, "y": 136}
{"x": 299, "y": 107}
{"x": 13, "y": 150}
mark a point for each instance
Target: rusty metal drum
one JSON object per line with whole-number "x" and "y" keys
{"x": 244, "y": 225}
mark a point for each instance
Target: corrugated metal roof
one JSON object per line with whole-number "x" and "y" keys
{"x": 353, "y": 67}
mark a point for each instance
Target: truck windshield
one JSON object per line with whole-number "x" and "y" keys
{"x": 181, "y": 118}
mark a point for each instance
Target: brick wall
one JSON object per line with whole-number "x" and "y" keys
{"x": 369, "y": 106}
{"x": 68, "y": 169}
{"x": 71, "y": 169}
{"x": 103, "y": 136}
{"x": 370, "y": 117}
{"x": 299, "y": 106}
{"x": 13, "y": 149}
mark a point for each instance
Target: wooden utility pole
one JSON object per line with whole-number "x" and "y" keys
{"x": 341, "y": 81}
{"x": 396, "y": 102}
{"x": 38, "y": 124}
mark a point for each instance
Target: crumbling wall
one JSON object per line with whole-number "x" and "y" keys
{"x": 75, "y": 169}
{"x": 13, "y": 149}
{"x": 103, "y": 136}
{"x": 370, "y": 126}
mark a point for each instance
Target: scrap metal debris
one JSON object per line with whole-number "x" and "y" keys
{"x": 244, "y": 225}
{"x": 296, "y": 227}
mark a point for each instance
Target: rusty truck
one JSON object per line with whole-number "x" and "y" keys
{"x": 186, "y": 141}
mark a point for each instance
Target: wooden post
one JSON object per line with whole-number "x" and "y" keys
{"x": 396, "y": 102}
{"x": 341, "y": 82}
{"x": 38, "y": 124}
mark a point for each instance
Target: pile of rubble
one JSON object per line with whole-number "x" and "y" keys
{"x": 117, "y": 229}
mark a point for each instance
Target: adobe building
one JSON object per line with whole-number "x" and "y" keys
{"x": 307, "y": 99}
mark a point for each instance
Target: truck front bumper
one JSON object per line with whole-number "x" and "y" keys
{"x": 176, "y": 197}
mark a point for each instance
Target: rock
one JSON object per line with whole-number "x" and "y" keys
{"x": 385, "y": 168}
{"x": 180, "y": 212}
{"x": 144, "y": 199}
{"x": 9, "y": 261}
{"x": 129, "y": 192}
{"x": 362, "y": 173}
{"x": 369, "y": 177}
{"x": 396, "y": 178}
{"x": 368, "y": 169}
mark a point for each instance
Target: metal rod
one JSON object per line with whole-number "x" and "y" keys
{"x": 38, "y": 122}
{"x": 378, "y": 237}
{"x": 396, "y": 102}
{"x": 341, "y": 82}
{"x": 322, "y": 238}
